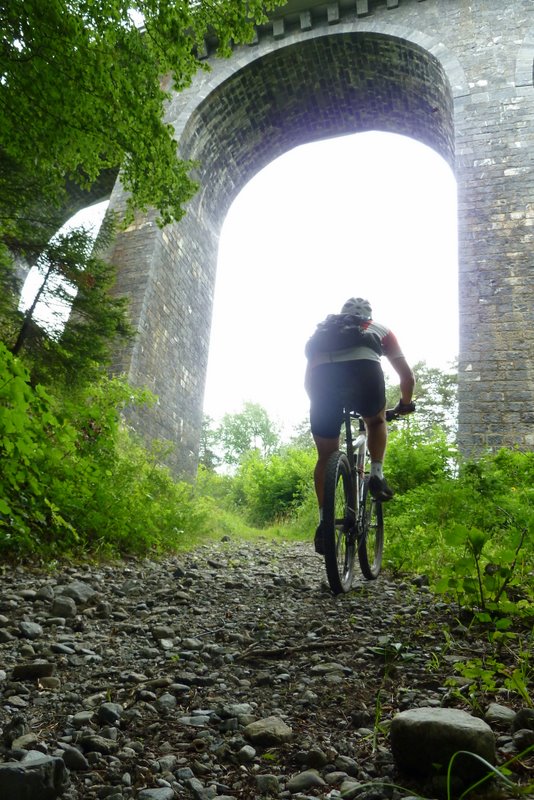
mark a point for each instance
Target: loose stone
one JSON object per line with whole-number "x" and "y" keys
{"x": 244, "y": 678}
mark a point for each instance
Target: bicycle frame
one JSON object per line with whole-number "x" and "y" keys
{"x": 356, "y": 450}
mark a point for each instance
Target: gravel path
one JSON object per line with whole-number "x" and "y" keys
{"x": 147, "y": 677}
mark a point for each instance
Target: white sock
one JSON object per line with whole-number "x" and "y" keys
{"x": 376, "y": 469}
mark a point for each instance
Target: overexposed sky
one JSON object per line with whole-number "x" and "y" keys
{"x": 370, "y": 215}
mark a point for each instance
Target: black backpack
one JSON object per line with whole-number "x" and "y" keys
{"x": 340, "y": 332}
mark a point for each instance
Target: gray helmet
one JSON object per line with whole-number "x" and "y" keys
{"x": 359, "y": 307}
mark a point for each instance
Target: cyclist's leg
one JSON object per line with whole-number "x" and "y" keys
{"x": 373, "y": 411}
{"x": 377, "y": 435}
{"x": 326, "y": 414}
{"x": 325, "y": 447}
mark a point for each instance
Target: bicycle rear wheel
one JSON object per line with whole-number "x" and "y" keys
{"x": 339, "y": 523}
{"x": 371, "y": 534}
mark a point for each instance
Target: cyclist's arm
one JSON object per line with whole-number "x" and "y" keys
{"x": 406, "y": 378}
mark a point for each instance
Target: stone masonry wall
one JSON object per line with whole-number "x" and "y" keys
{"x": 454, "y": 75}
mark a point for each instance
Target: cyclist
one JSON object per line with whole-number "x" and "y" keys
{"x": 355, "y": 371}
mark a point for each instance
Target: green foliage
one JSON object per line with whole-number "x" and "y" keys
{"x": 25, "y": 419}
{"x": 272, "y": 488}
{"x": 489, "y": 675}
{"x": 81, "y": 91}
{"x": 472, "y": 533}
{"x": 247, "y": 431}
{"x": 212, "y": 484}
{"x": 74, "y": 480}
{"x": 416, "y": 456}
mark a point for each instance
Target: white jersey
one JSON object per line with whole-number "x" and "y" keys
{"x": 388, "y": 340}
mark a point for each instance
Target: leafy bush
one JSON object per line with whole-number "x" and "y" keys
{"x": 74, "y": 479}
{"x": 212, "y": 484}
{"x": 272, "y": 488}
{"x": 472, "y": 533}
{"x": 27, "y": 427}
{"x": 415, "y": 456}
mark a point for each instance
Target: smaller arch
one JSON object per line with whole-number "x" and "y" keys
{"x": 78, "y": 199}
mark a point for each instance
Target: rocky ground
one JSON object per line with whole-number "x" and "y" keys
{"x": 147, "y": 677}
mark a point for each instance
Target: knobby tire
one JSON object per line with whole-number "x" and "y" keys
{"x": 371, "y": 537}
{"x": 338, "y": 523}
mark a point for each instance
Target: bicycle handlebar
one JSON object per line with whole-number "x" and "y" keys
{"x": 391, "y": 413}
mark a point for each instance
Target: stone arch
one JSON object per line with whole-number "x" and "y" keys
{"x": 313, "y": 89}
{"x": 184, "y": 105}
{"x": 309, "y": 89}
{"x": 416, "y": 69}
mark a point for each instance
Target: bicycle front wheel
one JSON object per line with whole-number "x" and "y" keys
{"x": 371, "y": 534}
{"x": 339, "y": 523}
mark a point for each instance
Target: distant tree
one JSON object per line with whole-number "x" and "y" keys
{"x": 301, "y": 438}
{"x": 207, "y": 454}
{"x": 436, "y": 397}
{"x": 249, "y": 430}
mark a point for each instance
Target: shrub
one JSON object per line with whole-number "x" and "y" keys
{"x": 415, "y": 457}
{"x": 26, "y": 435}
{"x": 75, "y": 479}
{"x": 472, "y": 533}
{"x": 272, "y": 488}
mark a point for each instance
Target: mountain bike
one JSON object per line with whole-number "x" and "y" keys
{"x": 353, "y": 520}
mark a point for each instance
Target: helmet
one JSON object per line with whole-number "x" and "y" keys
{"x": 359, "y": 307}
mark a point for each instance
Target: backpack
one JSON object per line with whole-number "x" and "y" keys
{"x": 340, "y": 332}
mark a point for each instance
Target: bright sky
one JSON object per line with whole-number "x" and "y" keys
{"x": 371, "y": 215}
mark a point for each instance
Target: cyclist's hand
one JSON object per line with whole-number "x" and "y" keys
{"x": 404, "y": 408}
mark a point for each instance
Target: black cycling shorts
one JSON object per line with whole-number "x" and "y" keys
{"x": 360, "y": 382}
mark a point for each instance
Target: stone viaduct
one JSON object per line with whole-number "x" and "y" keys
{"x": 455, "y": 75}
